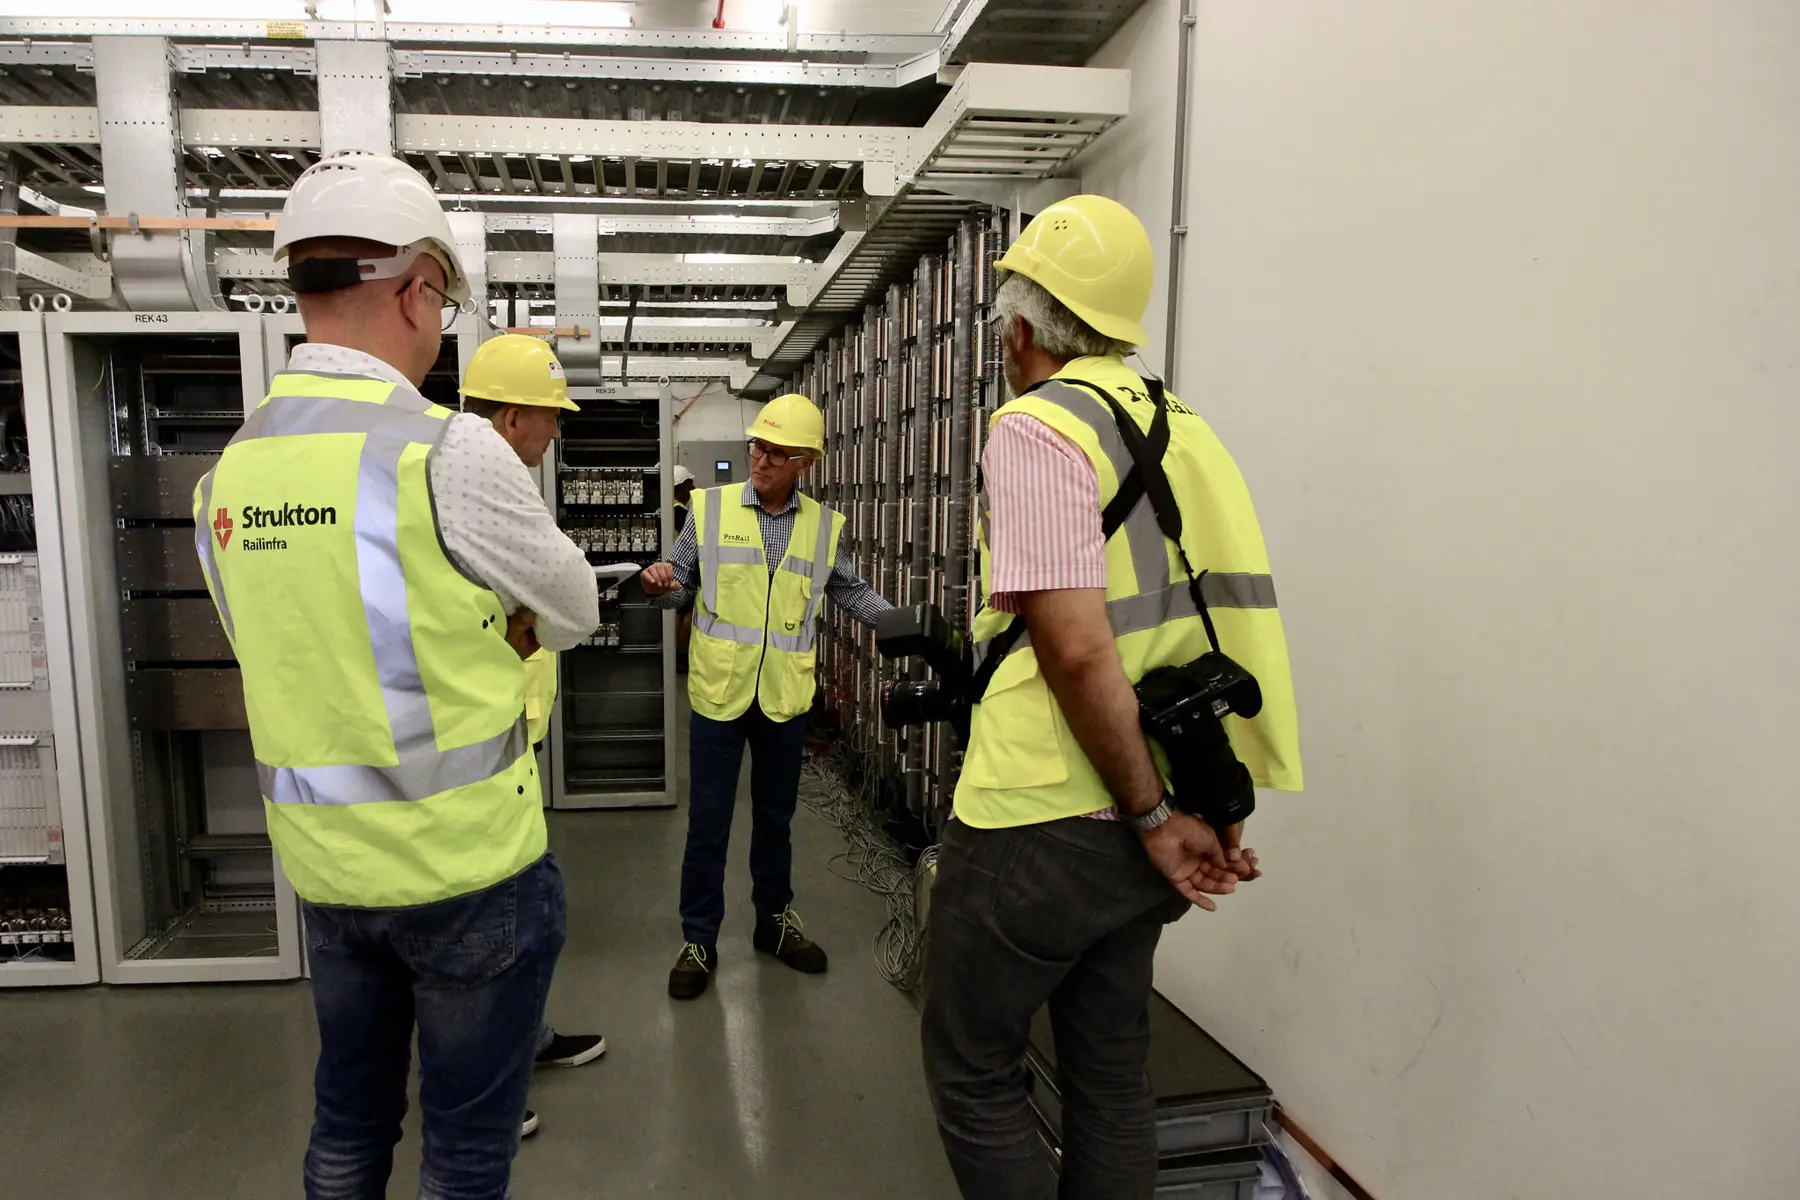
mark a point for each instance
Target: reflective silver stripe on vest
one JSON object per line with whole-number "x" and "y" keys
{"x": 709, "y": 624}
{"x": 1149, "y": 549}
{"x": 295, "y": 416}
{"x": 819, "y": 572}
{"x": 384, "y": 594}
{"x": 417, "y": 777}
{"x": 1151, "y": 610}
{"x": 203, "y": 542}
{"x": 423, "y": 770}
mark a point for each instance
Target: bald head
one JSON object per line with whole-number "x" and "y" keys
{"x": 399, "y": 321}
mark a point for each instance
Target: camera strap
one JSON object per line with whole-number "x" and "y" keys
{"x": 1147, "y": 479}
{"x": 1131, "y": 490}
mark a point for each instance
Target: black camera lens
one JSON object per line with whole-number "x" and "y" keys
{"x": 906, "y": 704}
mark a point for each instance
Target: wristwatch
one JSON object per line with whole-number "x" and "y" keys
{"x": 1155, "y": 817}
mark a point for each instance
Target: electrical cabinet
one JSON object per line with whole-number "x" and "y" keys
{"x": 47, "y": 930}
{"x": 612, "y": 739}
{"x": 185, "y": 882}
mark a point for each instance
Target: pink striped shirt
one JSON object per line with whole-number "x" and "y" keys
{"x": 1043, "y": 512}
{"x": 1043, "y": 517}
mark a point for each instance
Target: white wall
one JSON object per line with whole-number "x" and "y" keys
{"x": 1497, "y": 307}
{"x": 717, "y": 415}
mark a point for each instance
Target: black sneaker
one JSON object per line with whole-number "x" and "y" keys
{"x": 693, "y": 971}
{"x": 571, "y": 1049}
{"x": 781, "y": 937}
{"x": 530, "y": 1126}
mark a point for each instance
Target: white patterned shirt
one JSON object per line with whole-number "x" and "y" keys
{"x": 495, "y": 524}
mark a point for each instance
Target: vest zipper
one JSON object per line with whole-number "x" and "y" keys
{"x": 768, "y": 602}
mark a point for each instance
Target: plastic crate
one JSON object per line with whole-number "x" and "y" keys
{"x": 1223, "y": 1175}
{"x": 1205, "y": 1098}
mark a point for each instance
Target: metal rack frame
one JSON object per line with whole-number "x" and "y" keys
{"x": 29, "y": 328}
{"x": 83, "y": 450}
{"x": 562, "y": 796}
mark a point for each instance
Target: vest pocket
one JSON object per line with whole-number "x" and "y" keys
{"x": 714, "y": 668}
{"x": 1014, "y": 738}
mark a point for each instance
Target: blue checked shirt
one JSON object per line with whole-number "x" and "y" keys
{"x": 850, "y": 593}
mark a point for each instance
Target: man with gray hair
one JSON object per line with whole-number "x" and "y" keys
{"x": 1069, "y": 851}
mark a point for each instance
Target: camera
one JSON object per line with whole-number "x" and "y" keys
{"x": 1181, "y": 709}
{"x": 922, "y": 630}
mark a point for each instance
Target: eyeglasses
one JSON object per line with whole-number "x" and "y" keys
{"x": 777, "y": 458}
{"x": 451, "y": 308}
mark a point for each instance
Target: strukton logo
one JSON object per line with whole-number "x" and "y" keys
{"x": 288, "y": 515}
{"x": 285, "y": 517}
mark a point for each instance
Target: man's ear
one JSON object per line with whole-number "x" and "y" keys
{"x": 411, "y": 298}
{"x": 1018, "y": 335}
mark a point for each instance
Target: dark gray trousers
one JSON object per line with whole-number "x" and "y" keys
{"x": 1067, "y": 912}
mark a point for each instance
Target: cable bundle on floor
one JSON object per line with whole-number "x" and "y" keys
{"x": 875, "y": 861}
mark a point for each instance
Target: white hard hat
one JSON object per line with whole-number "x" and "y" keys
{"x": 683, "y": 475}
{"x": 372, "y": 196}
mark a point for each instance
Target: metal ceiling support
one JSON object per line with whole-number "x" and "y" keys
{"x": 878, "y": 148}
{"x": 669, "y": 271}
{"x": 79, "y": 55}
{"x": 575, "y": 243}
{"x": 735, "y": 370}
{"x": 542, "y": 266}
{"x": 805, "y": 45}
{"x": 141, "y": 152}
{"x": 356, "y": 97}
{"x": 191, "y": 59}
{"x": 723, "y": 225}
{"x": 80, "y": 275}
{"x": 760, "y": 338}
{"x": 802, "y": 73}
{"x": 49, "y": 124}
{"x": 286, "y": 128}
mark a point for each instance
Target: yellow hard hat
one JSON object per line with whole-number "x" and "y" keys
{"x": 790, "y": 420}
{"x": 515, "y": 368}
{"x": 1092, "y": 254}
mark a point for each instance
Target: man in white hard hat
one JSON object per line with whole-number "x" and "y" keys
{"x": 403, "y": 566}
{"x": 761, "y": 558}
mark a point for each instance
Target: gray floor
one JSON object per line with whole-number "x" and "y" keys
{"x": 772, "y": 1086}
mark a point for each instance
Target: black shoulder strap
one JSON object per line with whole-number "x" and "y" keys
{"x": 1146, "y": 479}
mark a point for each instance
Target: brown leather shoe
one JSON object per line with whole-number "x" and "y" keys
{"x": 781, "y": 937}
{"x": 693, "y": 971}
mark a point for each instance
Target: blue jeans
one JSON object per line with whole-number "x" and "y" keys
{"x": 472, "y": 973}
{"x": 715, "y": 755}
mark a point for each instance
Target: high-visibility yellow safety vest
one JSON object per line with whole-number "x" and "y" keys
{"x": 386, "y": 709}
{"x": 756, "y": 631}
{"x": 1023, "y": 765}
{"x": 540, "y": 694}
